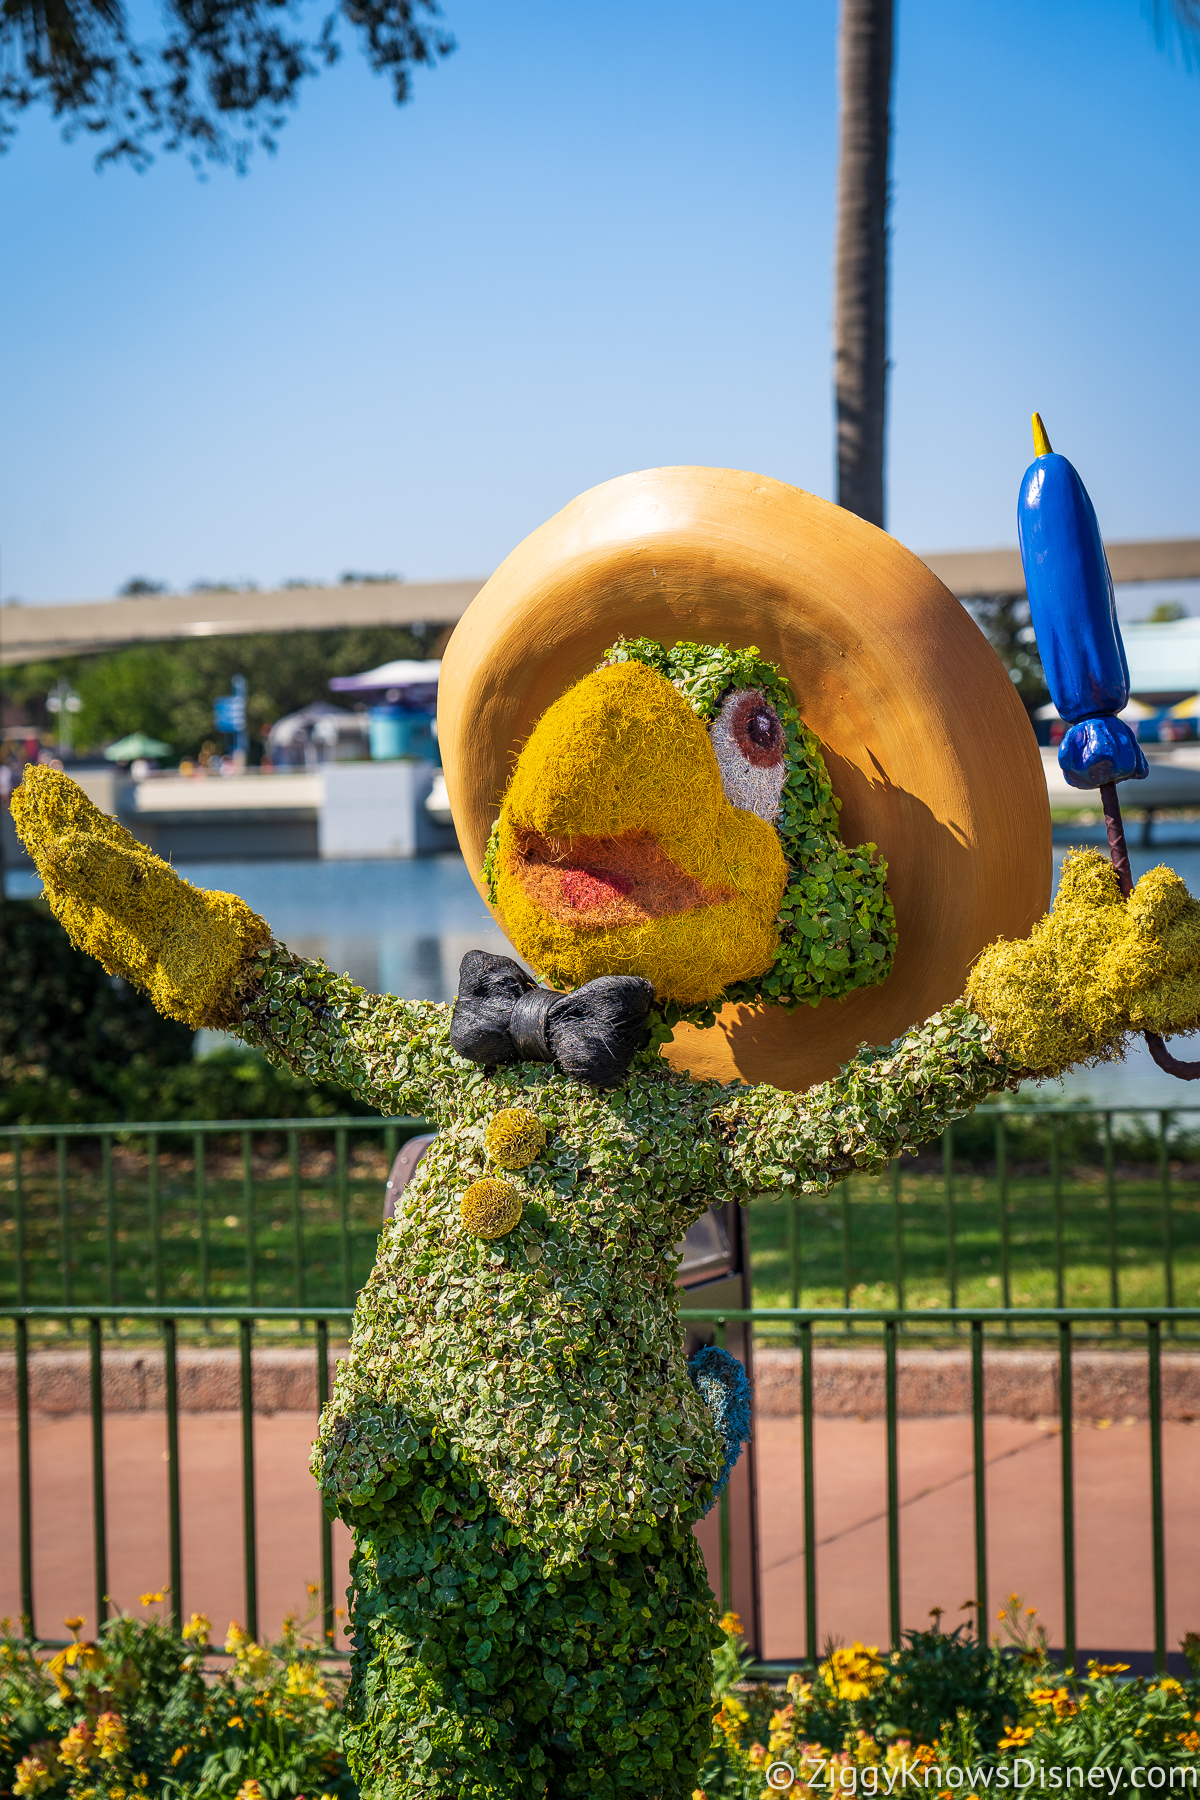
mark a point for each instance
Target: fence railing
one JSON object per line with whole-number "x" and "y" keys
{"x": 1066, "y": 1323}
{"x": 1062, "y": 1206}
{"x": 984, "y": 1326}
{"x": 1022, "y": 1207}
{"x": 168, "y": 1322}
{"x": 251, "y": 1212}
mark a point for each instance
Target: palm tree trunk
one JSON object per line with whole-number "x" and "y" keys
{"x": 860, "y": 302}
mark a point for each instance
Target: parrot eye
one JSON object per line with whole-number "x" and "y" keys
{"x": 748, "y": 741}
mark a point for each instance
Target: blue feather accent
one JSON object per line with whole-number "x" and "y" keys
{"x": 721, "y": 1382}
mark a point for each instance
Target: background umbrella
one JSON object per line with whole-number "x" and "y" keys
{"x": 137, "y": 744}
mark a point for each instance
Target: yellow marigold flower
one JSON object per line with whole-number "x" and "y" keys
{"x": 1168, "y": 1684}
{"x": 1190, "y": 1741}
{"x": 514, "y": 1138}
{"x": 237, "y": 1723}
{"x": 313, "y": 1589}
{"x": 250, "y": 1790}
{"x": 32, "y": 1777}
{"x": 177, "y": 1756}
{"x": 1016, "y": 1737}
{"x": 141, "y": 1780}
{"x": 254, "y": 1662}
{"x": 304, "y": 1680}
{"x": 112, "y": 1739}
{"x": 150, "y": 1599}
{"x": 854, "y": 1673}
{"x": 198, "y": 1630}
{"x": 491, "y": 1208}
{"x": 74, "y": 1623}
{"x": 76, "y": 1749}
{"x": 1096, "y": 1669}
{"x": 236, "y": 1639}
{"x": 82, "y": 1656}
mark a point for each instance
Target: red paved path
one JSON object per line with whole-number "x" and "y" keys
{"x": 937, "y": 1555}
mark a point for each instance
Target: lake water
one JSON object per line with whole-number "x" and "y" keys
{"x": 404, "y": 927}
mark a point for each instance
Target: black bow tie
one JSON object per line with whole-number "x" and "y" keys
{"x": 502, "y": 1016}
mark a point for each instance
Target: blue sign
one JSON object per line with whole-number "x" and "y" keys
{"x": 229, "y": 713}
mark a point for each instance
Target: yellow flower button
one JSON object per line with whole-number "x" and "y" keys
{"x": 514, "y": 1138}
{"x": 490, "y": 1208}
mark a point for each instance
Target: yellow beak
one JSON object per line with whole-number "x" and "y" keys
{"x": 619, "y": 853}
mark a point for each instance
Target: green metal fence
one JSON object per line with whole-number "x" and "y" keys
{"x": 1019, "y": 1207}
{"x": 984, "y": 1326}
{"x": 253, "y": 1212}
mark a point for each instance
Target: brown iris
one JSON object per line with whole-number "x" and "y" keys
{"x": 755, "y": 729}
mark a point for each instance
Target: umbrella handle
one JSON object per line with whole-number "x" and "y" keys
{"x": 1119, "y": 855}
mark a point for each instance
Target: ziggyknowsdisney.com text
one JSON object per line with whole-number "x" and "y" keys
{"x": 836, "y": 1777}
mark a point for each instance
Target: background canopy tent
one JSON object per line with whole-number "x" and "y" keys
{"x": 409, "y": 683}
{"x": 135, "y": 747}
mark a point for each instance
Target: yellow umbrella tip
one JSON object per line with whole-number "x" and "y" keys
{"x": 1041, "y": 443}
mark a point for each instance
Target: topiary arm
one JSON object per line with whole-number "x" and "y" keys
{"x": 1095, "y": 971}
{"x": 393, "y": 1053}
{"x": 206, "y": 959}
{"x": 186, "y": 948}
{"x": 883, "y": 1102}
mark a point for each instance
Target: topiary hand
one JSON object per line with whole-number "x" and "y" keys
{"x": 1095, "y": 969}
{"x": 128, "y": 908}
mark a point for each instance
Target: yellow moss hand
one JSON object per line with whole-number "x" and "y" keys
{"x": 1097, "y": 968}
{"x": 128, "y": 908}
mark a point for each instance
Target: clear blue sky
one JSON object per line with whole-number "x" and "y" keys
{"x": 600, "y": 239}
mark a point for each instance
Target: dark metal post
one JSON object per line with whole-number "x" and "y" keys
{"x": 64, "y": 1217}
{"x": 1056, "y": 1194}
{"x": 155, "y": 1218}
{"x": 24, "y": 1479}
{"x": 898, "y": 1231}
{"x": 724, "y": 1522}
{"x": 344, "y": 1216}
{"x": 1066, "y": 1421}
{"x": 251, "y": 1221}
{"x": 249, "y": 1527}
{"x": 326, "y": 1527}
{"x": 810, "y": 1506}
{"x": 980, "y": 1474}
{"x": 171, "y": 1374}
{"x": 1154, "y": 1346}
{"x": 99, "y": 1518}
{"x": 893, "y": 1484}
{"x": 951, "y": 1220}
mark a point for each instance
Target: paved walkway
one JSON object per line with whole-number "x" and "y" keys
{"x": 936, "y": 1531}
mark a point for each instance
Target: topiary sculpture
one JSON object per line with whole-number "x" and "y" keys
{"x": 515, "y": 1439}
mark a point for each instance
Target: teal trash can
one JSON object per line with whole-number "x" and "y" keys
{"x": 401, "y": 731}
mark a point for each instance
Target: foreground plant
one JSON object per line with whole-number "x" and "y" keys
{"x": 145, "y": 1709}
{"x": 997, "y": 1715}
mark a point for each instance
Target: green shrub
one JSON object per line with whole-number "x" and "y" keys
{"x": 942, "y": 1701}
{"x": 78, "y": 1046}
{"x": 142, "y": 1710}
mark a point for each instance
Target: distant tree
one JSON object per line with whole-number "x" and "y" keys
{"x": 1004, "y": 621}
{"x": 218, "y": 80}
{"x": 168, "y": 689}
{"x": 352, "y": 579}
{"x": 137, "y": 585}
{"x": 1165, "y": 613}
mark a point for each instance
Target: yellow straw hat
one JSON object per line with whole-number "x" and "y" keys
{"x": 927, "y": 745}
